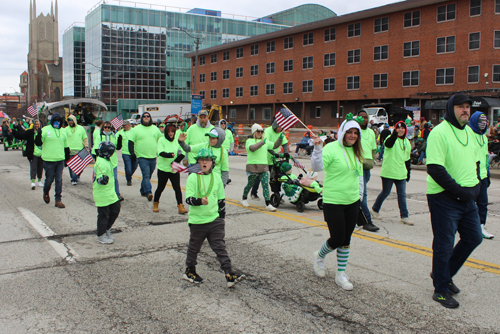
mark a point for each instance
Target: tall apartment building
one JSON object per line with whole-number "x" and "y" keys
{"x": 74, "y": 62}
{"x": 414, "y": 53}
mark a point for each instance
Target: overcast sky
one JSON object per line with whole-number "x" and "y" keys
{"x": 14, "y": 19}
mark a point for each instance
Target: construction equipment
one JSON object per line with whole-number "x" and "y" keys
{"x": 212, "y": 108}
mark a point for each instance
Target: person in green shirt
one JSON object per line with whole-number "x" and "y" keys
{"x": 196, "y": 133}
{"x": 77, "y": 139}
{"x": 395, "y": 170}
{"x": 205, "y": 195}
{"x": 228, "y": 143}
{"x": 129, "y": 165}
{"x": 33, "y": 152}
{"x": 103, "y": 190}
{"x": 342, "y": 190}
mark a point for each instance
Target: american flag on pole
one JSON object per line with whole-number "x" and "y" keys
{"x": 177, "y": 168}
{"x": 286, "y": 119}
{"x": 32, "y": 110}
{"x": 80, "y": 161}
{"x": 117, "y": 122}
{"x": 297, "y": 164}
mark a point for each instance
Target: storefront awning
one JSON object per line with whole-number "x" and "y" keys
{"x": 435, "y": 104}
{"x": 485, "y": 102}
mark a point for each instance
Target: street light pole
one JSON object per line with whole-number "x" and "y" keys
{"x": 90, "y": 79}
{"x": 197, "y": 42}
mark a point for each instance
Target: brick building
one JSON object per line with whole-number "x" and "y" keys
{"x": 415, "y": 54}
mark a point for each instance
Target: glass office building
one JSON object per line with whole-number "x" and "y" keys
{"x": 73, "y": 64}
{"x": 300, "y": 15}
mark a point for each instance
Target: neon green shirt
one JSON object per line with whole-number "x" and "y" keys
{"x": 112, "y": 138}
{"x": 145, "y": 140}
{"x": 104, "y": 195}
{"x": 37, "y": 150}
{"x": 368, "y": 143}
{"x": 196, "y": 135}
{"x": 482, "y": 154}
{"x": 272, "y": 136}
{"x": 229, "y": 139}
{"x": 445, "y": 148}
{"x": 54, "y": 142}
{"x": 125, "y": 139}
{"x": 168, "y": 147}
{"x": 221, "y": 162}
{"x": 393, "y": 165}
{"x": 76, "y": 135}
{"x": 199, "y": 186}
{"x": 258, "y": 157}
{"x": 95, "y": 137}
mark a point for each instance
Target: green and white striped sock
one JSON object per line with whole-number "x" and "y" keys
{"x": 325, "y": 249}
{"x": 342, "y": 257}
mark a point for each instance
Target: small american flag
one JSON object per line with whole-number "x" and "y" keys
{"x": 177, "y": 168}
{"x": 286, "y": 119}
{"x": 117, "y": 122}
{"x": 80, "y": 161}
{"x": 32, "y": 110}
{"x": 297, "y": 164}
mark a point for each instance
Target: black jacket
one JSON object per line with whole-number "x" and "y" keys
{"x": 29, "y": 136}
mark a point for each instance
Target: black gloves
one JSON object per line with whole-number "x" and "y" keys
{"x": 166, "y": 155}
{"x": 489, "y": 182}
{"x": 286, "y": 155}
{"x": 103, "y": 180}
{"x": 39, "y": 131}
{"x": 133, "y": 157}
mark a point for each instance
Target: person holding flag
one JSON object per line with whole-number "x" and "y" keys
{"x": 77, "y": 140}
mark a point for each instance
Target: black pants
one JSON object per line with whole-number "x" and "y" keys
{"x": 106, "y": 216}
{"x": 341, "y": 220}
{"x": 175, "y": 180}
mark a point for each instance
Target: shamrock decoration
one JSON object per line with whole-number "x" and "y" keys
{"x": 358, "y": 119}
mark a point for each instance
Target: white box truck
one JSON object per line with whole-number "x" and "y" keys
{"x": 162, "y": 111}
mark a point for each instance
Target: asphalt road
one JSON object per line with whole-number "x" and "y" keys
{"x": 58, "y": 279}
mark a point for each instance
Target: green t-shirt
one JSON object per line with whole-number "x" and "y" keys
{"x": 395, "y": 157}
{"x": 199, "y": 186}
{"x": 258, "y": 157}
{"x": 76, "y": 135}
{"x": 112, "y": 138}
{"x": 104, "y": 195}
{"x": 342, "y": 172}
{"x": 221, "y": 162}
{"x": 482, "y": 154}
{"x": 125, "y": 138}
{"x": 445, "y": 148}
{"x": 54, "y": 142}
{"x": 196, "y": 135}
{"x": 95, "y": 138}
{"x": 37, "y": 150}
{"x": 272, "y": 136}
{"x": 168, "y": 147}
{"x": 368, "y": 143}
{"x": 145, "y": 140}
{"x": 229, "y": 139}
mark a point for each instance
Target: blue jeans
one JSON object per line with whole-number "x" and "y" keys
{"x": 422, "y": 156}
{"x": 72, "y": 175}
{"x": 130, "y": 166}
{"x": 117, "y": 187}
{"x": 386, "y": 190}
{"x": 364, "y": 202}
{"x": 147, "y": 168}
{"x": 381, "y": 154}
{"x": 53, "y": 170}
{"x": 448, "y": 217}
{"x": 482, "y": 201}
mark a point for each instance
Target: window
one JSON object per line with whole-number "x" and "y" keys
{"x": 445, "y": 76}
{"x": 353, "y": 56}
{"x": 213, "y": 94}
{"x": 225, "y": 93}
{"x": 213, "y": 58}
{"x": 329, "y": 84}
{"x": 213, "y": 76}
{"x": 202, "y": 60}
{"x": 271, "y": 46}
{"x": 287, "y": 87}
{"x": 252, "y": 113}
{"x": 354, "y": 29}
{"x": 225, "y": 55}
{"x": 308, "y": 39}
{"x": 412, "y": 19}
{"x": 381, "y": 52}
{"x": 445, "y": 44}
{"x": 307, "y": 86}
{"x": 497, "y": 6}
{"x": 202, "y": 93}
{"x": 239, "y": 72}
{"x": 288, "y": 65}
{"x": 380, "y": 80}
{"x": 411, "y": 49}
{"x": 496, "y": 39}
{"x": 496, "y": 73}
{"x": 254, "y": 90}
{"x": 316, "y": 112}
{"x": 225, "y": 74}
{"x": 254, "y": 70}
{"x": 202, "y": 77}
{"x": 270, "y": 68}
{"x": 446, "y": 13}
{"x": 474, "y": 40}
{"x": 330, "y": 34}
{"x": 475, "y": 7}
{"x": 353, "y": 82}
{"x": 329, "y": 59}
{"x": 307, "y": 62}
{"x": 232, "y": 113}
{"x": 381, "y": 24}
{"x": 239, "y": 53}
{"x": 254, "y": 50}
{"x": 239, "y": 91}
{"x": 410, "y": 78}
{"x": 288, "y": 43}
{"x": 473, "y": 74}
{"x": 266, "y": 113}
{"x": 270, "y": 89}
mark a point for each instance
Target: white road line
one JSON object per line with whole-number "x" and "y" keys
{"x": 63, "y": 249}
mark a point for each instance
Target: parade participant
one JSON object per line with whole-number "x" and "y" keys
{"x": 228, "y": 143}
{"x": 77, "y": 139}
{"x": 33, "y": 152}
{"x": 55, "y": 153}
{"x": 103, "y": 190}
{"x": 257, "y": 164}
{"x": 386, "y": 132}
{"x": 205, "y": 195}
{"x": 107, "y": 134}
{"x": 452, "y": 188}
{"x": 95, "y": 135}
{"x": 129, "y": 165}
{"x": 196, "y": 133}
{"x": 369, "y": 146}
{"x": 161, "y": 127}
{"x": 143, "y": 146}
{"x": 342, "y": 190}
{"x": 169, "y": 151}
{"x": 395, "y": 170}
{"x": 479, "y": 123}
{"x": 7, "y": 131}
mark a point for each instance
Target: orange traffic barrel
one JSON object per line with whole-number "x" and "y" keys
{"x": 240, "y": 129}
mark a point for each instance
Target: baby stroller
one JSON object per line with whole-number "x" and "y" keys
{"x": 275, "y": 174}
{"x": 299, "y": 193}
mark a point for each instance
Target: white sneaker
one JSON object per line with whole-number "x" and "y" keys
{"x": 486, "y": 234}
{"x": 74, "y": 183}
{"x": 109, "y": 235}
{"x": 319, "y": 265}
{"x": 342, "y": 280}
{"x": 270, "y": 208}
{"x": 103, "y": 239}
{"x": 40, "y": 183}
{"x": 244, "y": 202}
{"x": 375, "y": 215}
{"x": 33, "y": 186}
{"x": 407, "y": 221}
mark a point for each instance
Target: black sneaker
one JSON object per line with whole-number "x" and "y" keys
{"x": 452, "y": 287}
{"x": 129, "y": 183}
{"x": 445, "y": 299}
{"x": 370, "y": 227}
{"x": 191, "y": 276}
{"x": 233, "y": 278}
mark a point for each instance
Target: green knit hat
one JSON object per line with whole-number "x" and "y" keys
{"x": 285, "y": 167}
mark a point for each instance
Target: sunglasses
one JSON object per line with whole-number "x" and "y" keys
{"x": 223, "y": 123}
{"x": 146, "y": 116}
{"x": 107, "y": 127}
